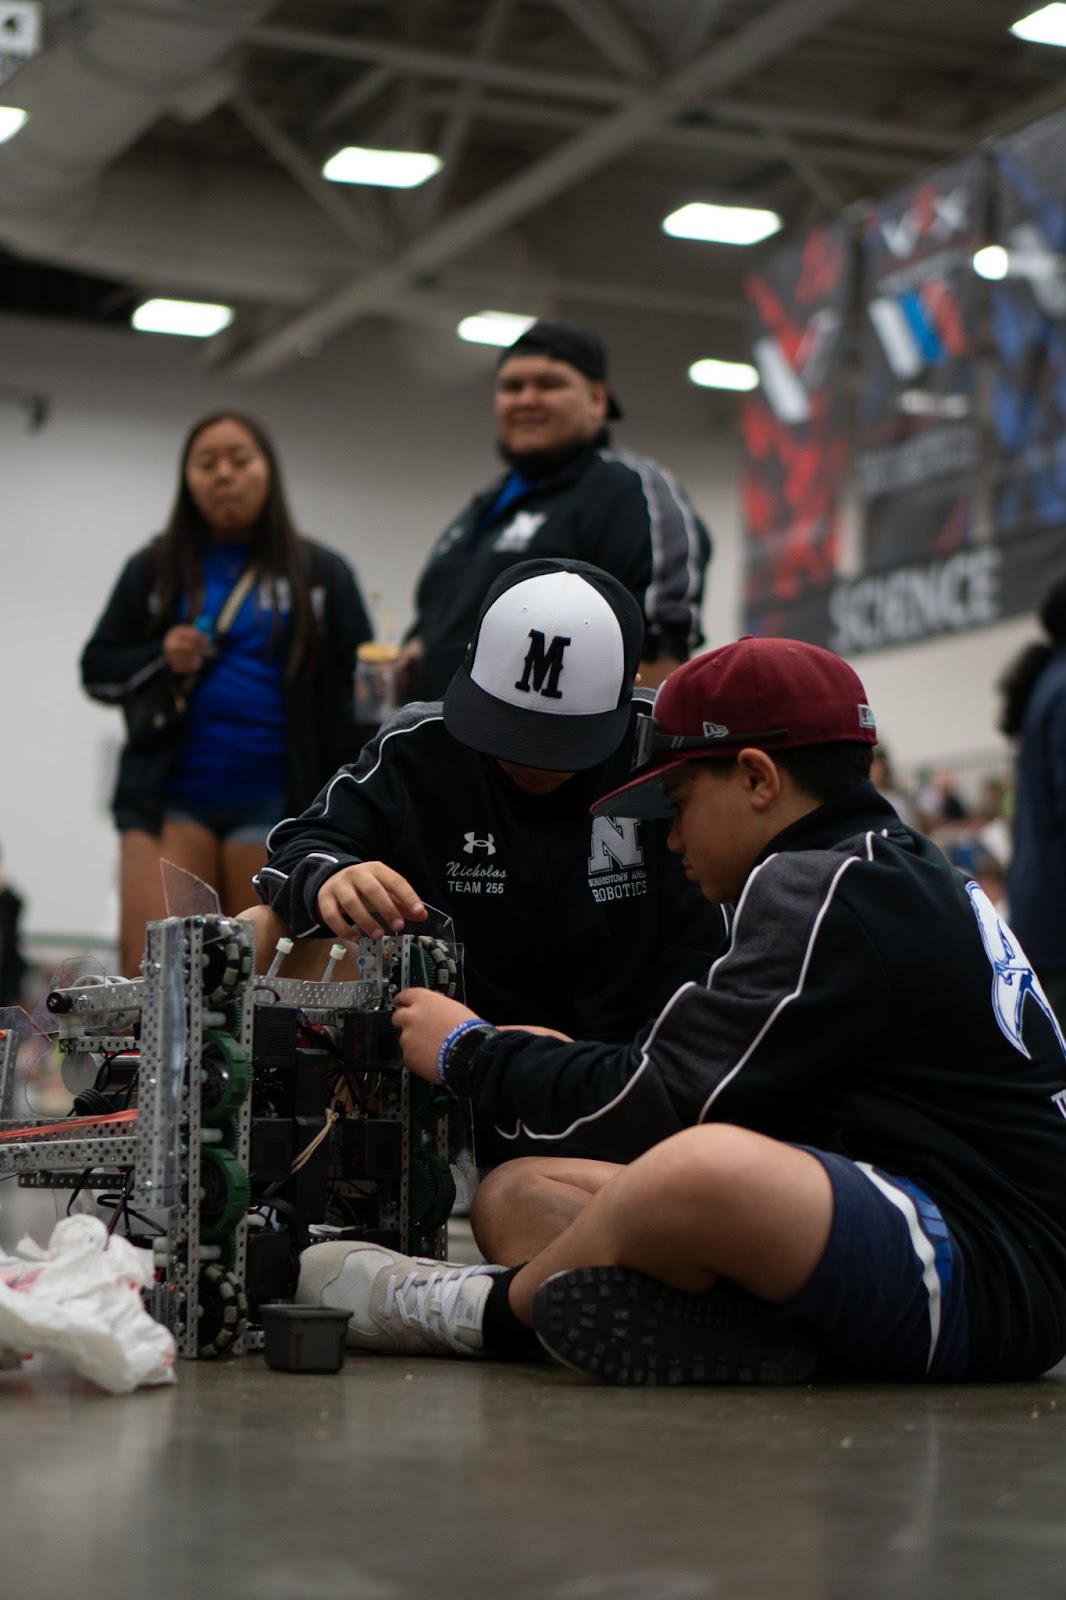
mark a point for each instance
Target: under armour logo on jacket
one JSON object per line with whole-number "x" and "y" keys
{"x": 473, "y": 844}
{"x": 543, "y": 665}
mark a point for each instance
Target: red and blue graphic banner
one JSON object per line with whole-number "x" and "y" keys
{"x": 918, "y": 431}
{"x": 922, "y": 572}
{"x": 1029, "y": 338}
{"x": 795, "y": 432}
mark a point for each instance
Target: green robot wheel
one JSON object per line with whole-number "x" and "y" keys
{"x": 227, "y": 1193}
{"x": 227, "y": 1077}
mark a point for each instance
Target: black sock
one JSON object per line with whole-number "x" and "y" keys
{"x": 501, "y": 1332}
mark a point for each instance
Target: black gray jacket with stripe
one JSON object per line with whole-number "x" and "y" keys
{"x": 617, "y": 510}
{"x": 870, "y": 1002}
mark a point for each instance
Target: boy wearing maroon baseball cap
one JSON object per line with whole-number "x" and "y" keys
{"x": 843, "y": 1151}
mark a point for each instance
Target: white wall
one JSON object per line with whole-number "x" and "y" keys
{"x": 381, "y": 440}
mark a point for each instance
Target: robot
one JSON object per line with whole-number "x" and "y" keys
{"x": 241, "y": 1116}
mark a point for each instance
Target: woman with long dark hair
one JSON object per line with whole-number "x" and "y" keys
{"x": 1034, "y": 714}
{"x": 256, "y": 628}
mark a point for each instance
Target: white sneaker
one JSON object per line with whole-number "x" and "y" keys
{"x": 409, "y": 1305}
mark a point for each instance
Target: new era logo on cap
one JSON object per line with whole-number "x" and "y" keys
{"x": 547, "y": 680}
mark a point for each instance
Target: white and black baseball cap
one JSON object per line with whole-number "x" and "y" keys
{"x": 548, "y": 676}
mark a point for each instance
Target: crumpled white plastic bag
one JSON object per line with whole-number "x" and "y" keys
{"x": 81, "y": 1299}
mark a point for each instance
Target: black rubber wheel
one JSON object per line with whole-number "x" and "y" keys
{"x": 223, "y": 1311}
{"x": 227, "y": 960}
{"x": 431, "y": 1192}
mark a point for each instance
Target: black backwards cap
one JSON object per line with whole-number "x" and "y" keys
{"x": 565, "y": 342}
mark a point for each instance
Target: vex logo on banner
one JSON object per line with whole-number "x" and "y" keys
{"x": 791, "y": 371}
{"x": 932, "y": 216}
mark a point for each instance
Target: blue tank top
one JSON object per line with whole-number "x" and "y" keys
{"x": 235, "y": 747}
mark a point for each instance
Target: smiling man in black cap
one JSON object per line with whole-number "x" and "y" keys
{"x": 568, "y": 493}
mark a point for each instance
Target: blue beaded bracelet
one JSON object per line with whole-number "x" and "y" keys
{"x": 457, "y": 1032}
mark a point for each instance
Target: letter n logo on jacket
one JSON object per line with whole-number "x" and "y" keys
{"x": 615, "y": 844}
{"x": 543, "y": 665}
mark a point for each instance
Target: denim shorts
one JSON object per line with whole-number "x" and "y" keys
{"x": 887, "y": 1299}
{"x": 246, "y": 823}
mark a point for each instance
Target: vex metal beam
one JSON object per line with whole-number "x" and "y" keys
{"x": 726, "y": 63}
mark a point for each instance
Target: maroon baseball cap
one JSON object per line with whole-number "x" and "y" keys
{"x": 773, "y": 694}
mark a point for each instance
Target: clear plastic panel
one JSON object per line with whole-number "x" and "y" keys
{"x": 29, "y": 1070}
{"x": 186, "y": 895}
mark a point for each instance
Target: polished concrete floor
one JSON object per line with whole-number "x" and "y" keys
{"x": 441, "y": 1478}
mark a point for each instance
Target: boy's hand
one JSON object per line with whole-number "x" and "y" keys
{"x": 425, "y": 1019}
{"x": 370, "y": 897}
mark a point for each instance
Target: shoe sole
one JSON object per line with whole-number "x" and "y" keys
{"x": 626, "y": 1328}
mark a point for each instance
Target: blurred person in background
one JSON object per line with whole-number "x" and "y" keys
{"x": 1034, "y": 715}
{"x": 12, "y": 962}
{"x": 884, "y": 781}
{"x": 568, "y": 493}
{"x": 258, "y": 628}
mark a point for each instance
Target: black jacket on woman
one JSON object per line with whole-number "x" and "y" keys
{"x": 126, "y": 649}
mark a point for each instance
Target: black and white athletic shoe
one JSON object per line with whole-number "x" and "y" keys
{"x": 623, "y": 1327}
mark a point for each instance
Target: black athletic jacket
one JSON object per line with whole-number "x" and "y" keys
{"x": 619, "y": 511}
{"x": 573, "y": 923}
{"x": 869, "y": 1002}
{"x": 319, "y": 701}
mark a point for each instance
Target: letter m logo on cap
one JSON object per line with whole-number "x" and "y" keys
{"x": 544, "y": 666}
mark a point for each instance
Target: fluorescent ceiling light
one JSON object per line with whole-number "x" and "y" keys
{"x": 721, "y": 224}
{"x": 11, "y": 120}
{"x": 991, "y": 261}
{"x": 195, "y": 318}
{"x": 494, "y": 327}
{"x": 388, "y": 169}
{"x": 711, "y": 374}
{"x": 1046, "y": 26}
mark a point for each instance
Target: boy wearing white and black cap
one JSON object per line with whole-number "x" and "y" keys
{"x": 480, "y": 807}
{"x": 845, "y": 1147}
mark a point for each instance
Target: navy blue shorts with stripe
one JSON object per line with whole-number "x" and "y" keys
{"x": 887, "y": 1299}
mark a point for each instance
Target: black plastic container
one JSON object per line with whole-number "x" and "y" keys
{"x": 303, "y": 1338}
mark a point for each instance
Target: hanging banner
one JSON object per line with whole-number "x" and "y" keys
{"x": 1029, "y": 335}
{"x": 794, "y": 429}
{"x": 918, "y": 429}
